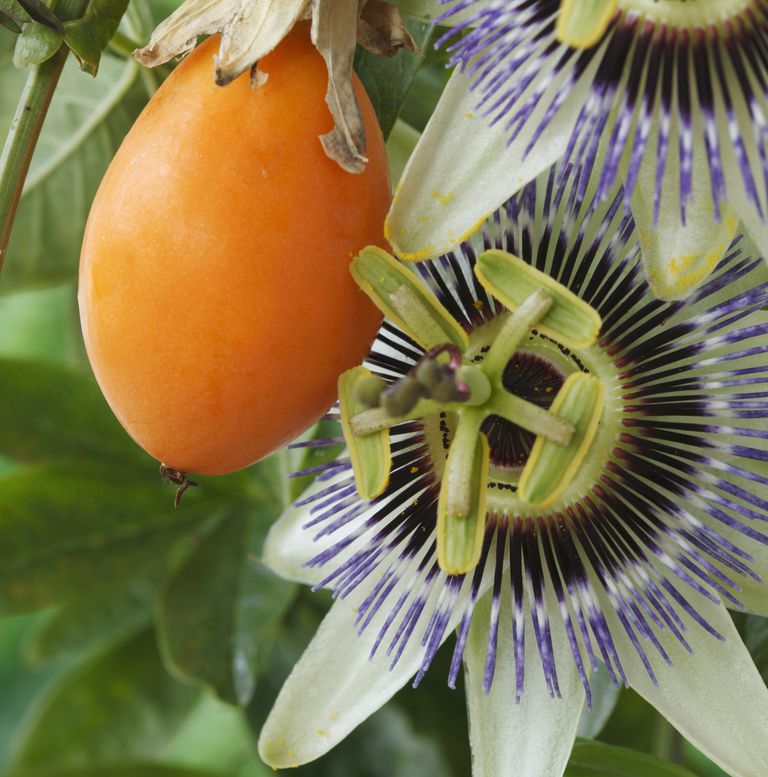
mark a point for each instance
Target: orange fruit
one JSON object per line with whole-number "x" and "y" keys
{"x": 215, "y": 298}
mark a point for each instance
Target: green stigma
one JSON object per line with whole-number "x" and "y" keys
{"x": 456, "y": 379}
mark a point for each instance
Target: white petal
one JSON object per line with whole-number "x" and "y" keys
{"x": 678, "y": 258}
{"x": 530, "y": 739}
{"x": 462, "y": 169}
{"x": 331, "y": 690}
{"x": 715, "y": 696}
{"x": 289, "y": 546}
{"x": 335, "y": 686}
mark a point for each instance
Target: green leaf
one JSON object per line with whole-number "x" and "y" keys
{"x": 42, "y": 324}
{"x": 137, "y": 769}
{"x": 36, "y": 44}
{"x": 594, "y": 759}
{"x": 388, "y": 79}
{"x": 18, "y": 681}
{"x": 62, "y": 531}
{"x": 755, "y": 631}
{"x": 217, "y": 607}
{"x": 85, "y": 125}
{"x": 89, "y": 36}
{"x": 120, "y": 705}
{"x": 9, "y": 23}
{"x": 421, "y": 9}
{"x": 400, "y": 144}
{"x": 50, "y": 413}
{"x": 40, "y": 12}
{"x": 92, "y": 620}
{"x": 12, "y": 9}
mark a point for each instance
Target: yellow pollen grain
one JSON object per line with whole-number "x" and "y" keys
{"x": 414, "y": 256}
{"x": 414, "y": 470}
{"x": 469, "y": 115}
{"x": 321, "y": 732}
{"x": 442, "y": 198}
{"x": 423, "y": 219}
{"x": 477, "y": 304}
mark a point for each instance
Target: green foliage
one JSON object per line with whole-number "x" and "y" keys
{"x": 387, "y": 80}
{"x": 218, "y": 608}
{"x": 115, "y": 770}
{"x": 88, "y": 36}
{"x": 121, "y": 705}
{"x": 14, "y": 15}
{"x": 87, "y": 120}
{"x": 36, "y": 43}
{"x": 594, "y": 759}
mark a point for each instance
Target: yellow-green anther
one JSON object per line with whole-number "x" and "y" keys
{"x": 368, "y": 390}
{"x": 370, "y": 455}
{"x": 551, "y": 467}
{"x": 582, "y": 23}
{"x": 461, "y": 504}
{"x": 401, "y": 296}
{"x": 570, "y": 320}
{"x": 532, "y": 418}
{"x": 516, "y": 328}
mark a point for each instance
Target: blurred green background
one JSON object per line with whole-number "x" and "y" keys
{"x": 142, "y": 641}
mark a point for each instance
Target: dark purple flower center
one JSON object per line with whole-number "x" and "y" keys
{"x": 531, "y": 377}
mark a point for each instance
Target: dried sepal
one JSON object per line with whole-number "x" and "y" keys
{"x": 381, "y": 29}
{"x": 250, "y": 29}
{"x": 334, "y": 33}
{"x": 252, "y": 33}
{"x": 178, "y": 34}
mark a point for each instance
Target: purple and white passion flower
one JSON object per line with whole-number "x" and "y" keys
{"x": 667, "y": 97}
{"x": 559, "y": 468}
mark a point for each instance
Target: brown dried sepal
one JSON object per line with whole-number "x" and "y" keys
{"x": 381, "y": 29}
{"x": 250, "y": 29}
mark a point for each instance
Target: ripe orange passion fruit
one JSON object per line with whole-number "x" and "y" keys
{"x": 215, "y": 298}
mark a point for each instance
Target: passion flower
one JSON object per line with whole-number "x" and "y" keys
{"x": 627, "y": 557}
{"x": 670, "y": 101}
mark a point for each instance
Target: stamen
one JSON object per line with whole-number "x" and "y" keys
{"x": 470, "y": 390}
{"x": 461, "y": 506}
{"x": 551, "y": 467}
{"x": 582, "y": 23}
{"x": 400, "y": 295}
{"x": 370, "y": 454}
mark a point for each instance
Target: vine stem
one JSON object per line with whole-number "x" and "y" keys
{"x": 22, "y": 138}
{"x": 27, "y": 122}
